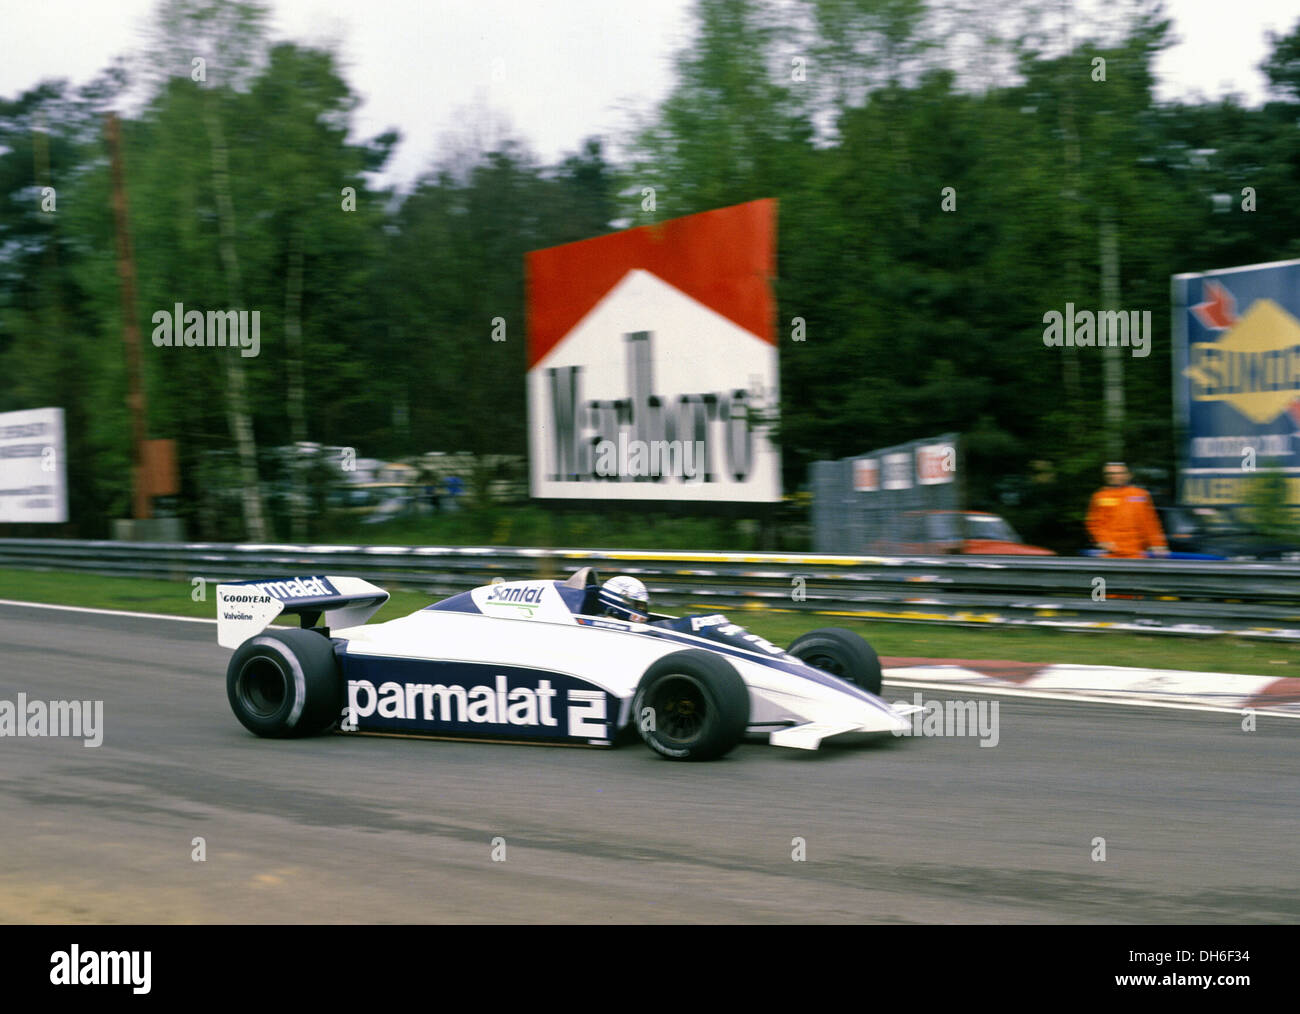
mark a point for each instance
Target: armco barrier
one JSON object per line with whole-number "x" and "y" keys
{"x": 1160, "y": 596}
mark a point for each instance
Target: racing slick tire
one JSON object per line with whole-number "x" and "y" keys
{"x": 285, "y": 683}
{"x": 691, "y": 705}
{"x": 841, "y": 653}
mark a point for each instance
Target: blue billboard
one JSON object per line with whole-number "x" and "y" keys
{"x": 1236, "y": 363}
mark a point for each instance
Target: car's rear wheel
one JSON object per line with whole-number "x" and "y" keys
{"x": 691, "y": 705}
{"x": 841, "y": 653}
{"x": 284, "y": 683}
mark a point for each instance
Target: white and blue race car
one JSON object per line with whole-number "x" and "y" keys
{"x": 535, "y": 661}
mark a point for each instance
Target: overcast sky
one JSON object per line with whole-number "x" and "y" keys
{"x": 555, "y": 70}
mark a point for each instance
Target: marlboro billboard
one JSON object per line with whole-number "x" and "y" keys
{"x": 652, "y": 362}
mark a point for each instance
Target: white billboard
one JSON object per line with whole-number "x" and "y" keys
{"x": 33, "y": 481}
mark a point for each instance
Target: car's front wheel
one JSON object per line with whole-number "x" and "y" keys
{"x": 691, "y": 705}
{"x": 284, "y": 683}
{"x": 841, "y": 653}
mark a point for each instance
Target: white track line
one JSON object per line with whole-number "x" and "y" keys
{"x": 107, "y": 612}
{"x": 992, "y": 691}
{"x": 1084, "y": 698}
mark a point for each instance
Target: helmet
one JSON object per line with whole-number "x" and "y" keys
{"x": 625, "y": 598}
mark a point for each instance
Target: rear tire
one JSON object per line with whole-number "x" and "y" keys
{"x": 841, "y": 653}
{"x": 692, "y": 706}
{"x": 284, "y": 683}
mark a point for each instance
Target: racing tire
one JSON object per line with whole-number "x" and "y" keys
{"x": 841, "y": 653}
{"x": 698, "y": 706}
{"x": 285, "y": 683}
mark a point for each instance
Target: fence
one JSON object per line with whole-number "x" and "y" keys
{"x": 877, "y": 502}
{"x": 1158, "y": 596}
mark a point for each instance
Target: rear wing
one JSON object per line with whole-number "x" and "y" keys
{"x": 246, "y": 608}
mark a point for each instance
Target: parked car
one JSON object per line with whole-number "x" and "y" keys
{"x": 1216, "y": 533}
{"x": 375, "y": 502}
{"x": 938, "y": 533}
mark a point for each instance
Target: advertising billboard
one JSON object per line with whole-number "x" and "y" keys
{"x": 652, "y": 362}
{"x": 33, "y": 481}
{"x": 1236, "y": 362}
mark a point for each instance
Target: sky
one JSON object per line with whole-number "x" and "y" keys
{"x": 551, "y": 71}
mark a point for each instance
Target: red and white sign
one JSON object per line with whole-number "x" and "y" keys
{"x": 866, "y": 475}
{"x": 652, "y": 362}
{"x": 935, "y": 464}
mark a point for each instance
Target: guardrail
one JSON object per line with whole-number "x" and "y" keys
{"x": 1156, "y": 596}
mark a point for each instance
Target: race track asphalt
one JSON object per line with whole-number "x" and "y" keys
{"x": 1199, "y": 817}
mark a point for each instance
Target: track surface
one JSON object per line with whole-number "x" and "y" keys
{"x": 1199, "y": 817}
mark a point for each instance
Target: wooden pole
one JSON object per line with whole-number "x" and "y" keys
{"x": 1112, "y": 361}
{"x": 140, "y": 506}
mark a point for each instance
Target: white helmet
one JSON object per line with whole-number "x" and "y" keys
{"x": 625, "y": 598}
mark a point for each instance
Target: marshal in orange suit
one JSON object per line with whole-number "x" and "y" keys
{"x": 1121, "y": 518}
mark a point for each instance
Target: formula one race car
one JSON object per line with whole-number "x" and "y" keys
{"x": 536, "y": 661}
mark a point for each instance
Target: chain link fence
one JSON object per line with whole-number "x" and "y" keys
{"x": 882, "y": 501}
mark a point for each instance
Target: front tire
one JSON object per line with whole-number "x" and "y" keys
{"x": 691, "y": 705}
{"x": 285, "y": 683}
{"x": 841, "y": 653}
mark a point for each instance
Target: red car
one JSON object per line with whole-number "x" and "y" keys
{"x": 970, "y": 533}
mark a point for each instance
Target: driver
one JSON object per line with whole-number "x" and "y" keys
{"x": 625, "y": 598}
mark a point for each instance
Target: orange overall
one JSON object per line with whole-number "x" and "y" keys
{"x": 1124, "y": 517}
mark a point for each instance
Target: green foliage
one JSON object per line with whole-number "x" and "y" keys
{"x": 1267, "y": 509}
{"x": 531, "y": 525}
